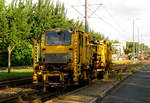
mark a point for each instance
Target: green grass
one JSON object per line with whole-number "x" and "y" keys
{"x": 122, "y": 62}
{"x": 15, "y": 73}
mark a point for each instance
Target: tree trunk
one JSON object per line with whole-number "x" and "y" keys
{"x": 9, "y": 59}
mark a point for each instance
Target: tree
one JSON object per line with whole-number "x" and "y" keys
{"x": 116, "y": 41}
{"x": 97, "y": 36}
{"x": 137, "y": 47}
{"x": 15, "y": 26}
{"x": 23, "y": 21}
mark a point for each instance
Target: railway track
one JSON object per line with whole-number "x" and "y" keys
{"x": 29, "y": 98}
{"x": 37, "y": 97}
{"x": 15, "y": 82}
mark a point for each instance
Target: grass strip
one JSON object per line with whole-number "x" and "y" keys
{"x": 15, "y": 73}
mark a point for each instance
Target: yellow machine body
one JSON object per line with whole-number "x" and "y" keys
{"x": 102, "y": 57}
{"x": 68, "y": 57}
{"x": 65, "y": 57}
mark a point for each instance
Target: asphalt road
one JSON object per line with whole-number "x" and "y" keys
{"x": 136, "y": 89}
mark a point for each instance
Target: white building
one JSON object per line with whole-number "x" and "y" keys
{"x": 119, "y": 50}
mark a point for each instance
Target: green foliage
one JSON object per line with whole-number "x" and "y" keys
{"x": 3, "y": 55}
{"x": 16, "y": 27}
{"x": 22, "y": 55}
{"x": 137, "y": 47}
{"x": 97, "y": 35}
{"x": 116, "y": 41}
{"x": 114, "y": 50}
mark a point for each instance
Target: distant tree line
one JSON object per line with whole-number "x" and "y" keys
{"x": 136, "y": 47}
{"x": 22, "y": 21}
{"x": 132, "y": 47}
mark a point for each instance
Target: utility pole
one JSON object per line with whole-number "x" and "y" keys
{"x": 86, "y": 17}
{"x": 133, "y": 49}
{"x": 86, "y": 13}
{"x": 138, "y": 48}
{"x": 141, "y": 44}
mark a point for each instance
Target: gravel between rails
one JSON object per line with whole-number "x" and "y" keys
{"x": 28, "y": 94}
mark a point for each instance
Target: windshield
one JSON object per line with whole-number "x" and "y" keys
{"x": 58, "y": 38}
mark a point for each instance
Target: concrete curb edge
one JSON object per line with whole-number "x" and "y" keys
{"x": 107, "y": 91}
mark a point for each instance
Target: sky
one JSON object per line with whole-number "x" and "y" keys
{"x": 114, "y": 18}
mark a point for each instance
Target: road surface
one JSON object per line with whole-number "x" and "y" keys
{"x": 136, "y": 89}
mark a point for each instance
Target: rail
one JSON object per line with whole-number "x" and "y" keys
{"x": 15, "y": 82}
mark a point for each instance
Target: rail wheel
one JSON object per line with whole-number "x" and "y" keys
{"x": 45, "y": 89}
{"x": 100, "y": 75}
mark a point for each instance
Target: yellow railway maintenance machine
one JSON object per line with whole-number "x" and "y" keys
{"x": 102, "y": 53}
{"x": 65, "y": 58}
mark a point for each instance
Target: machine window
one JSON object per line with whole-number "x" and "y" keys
{"x": 60, "y": 38}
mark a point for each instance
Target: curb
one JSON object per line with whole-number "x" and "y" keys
{"x": 107, "y": 91}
